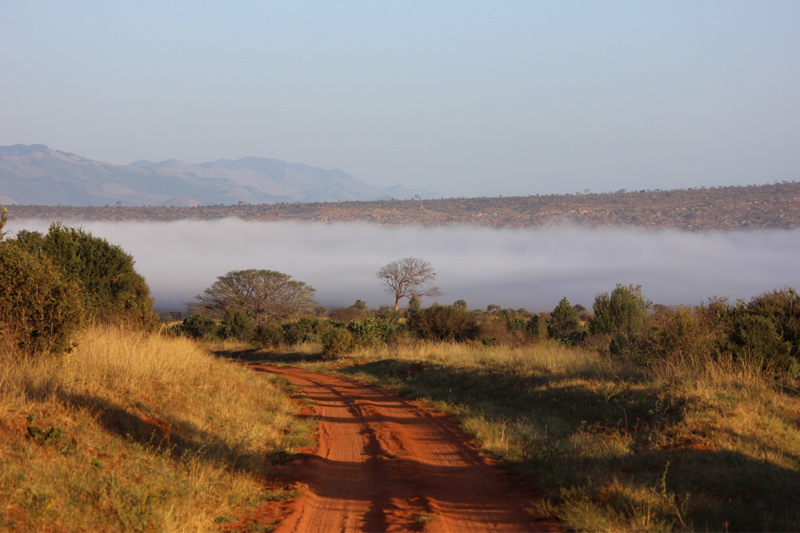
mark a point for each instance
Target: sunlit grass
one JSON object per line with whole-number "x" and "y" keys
{"x": 137, "y": 432}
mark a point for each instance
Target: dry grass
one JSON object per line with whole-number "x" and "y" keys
{"x": 617, "y": 446}
{"x": 137, "y": 432}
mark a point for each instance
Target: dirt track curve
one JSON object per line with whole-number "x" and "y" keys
{"x": 384, "y": 463}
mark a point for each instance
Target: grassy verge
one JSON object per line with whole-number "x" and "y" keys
{"x": 138, "y": 432}
{"x": 615, "y": 446}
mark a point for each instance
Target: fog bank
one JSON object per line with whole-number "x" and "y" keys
{"x": 533, "y": 269}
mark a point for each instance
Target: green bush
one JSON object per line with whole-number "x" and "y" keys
{"x": 112, "y": 291}
{"x": 268, "y": 335}
{"x": 372, "y": 330}
{"x": 622, "y": 315}
{"x": 686, "y": 334}
{"x": 444, "y": 323}
{"x": 236, "y": 325}
{"x": 755, "y": 339}
{"x": 39, "y": 310}
{"x": 306, "y": 329}
{"x": 782, "y": 308}
{"x": 337, "y": 341}
{"x": 199, "y": 327}
{"x": 564, "y": 324}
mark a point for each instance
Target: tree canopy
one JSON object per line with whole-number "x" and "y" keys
{"x": 408, "y": 277}
{"x": 264, "y": 295}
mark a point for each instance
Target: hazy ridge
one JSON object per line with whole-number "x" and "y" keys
{"x": 774, "y": 206}
{"x": 36, "y": 174}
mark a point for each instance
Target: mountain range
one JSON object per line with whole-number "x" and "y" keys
{"x": 38, "y": 175}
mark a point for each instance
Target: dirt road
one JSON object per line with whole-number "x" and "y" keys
{"x": 384, "y": 463}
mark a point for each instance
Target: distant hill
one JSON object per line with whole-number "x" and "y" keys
{"x": 717, "y": 208}
{"x": 37, "y": 175}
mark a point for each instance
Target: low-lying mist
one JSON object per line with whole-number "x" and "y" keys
{"x": 531, "y": 268}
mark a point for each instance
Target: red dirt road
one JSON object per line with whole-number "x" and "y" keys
{"x": 384, "y": 463}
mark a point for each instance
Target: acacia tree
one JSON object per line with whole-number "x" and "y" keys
{"x": 264, "y": 295}
{"x": 408, "y": 277}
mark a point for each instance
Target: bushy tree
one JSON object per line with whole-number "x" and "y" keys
{"x": 623, "y": 312}
{"x": 111, "y": 289}
{"x": 622, "y": 315}
{"x": 39, "y": 309}
{"x": 264, "y": 295}
{"x": 564, "y": 324}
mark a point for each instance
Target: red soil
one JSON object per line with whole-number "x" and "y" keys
{"x": 384, "y": 463}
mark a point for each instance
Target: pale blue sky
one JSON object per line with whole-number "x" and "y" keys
{"x": 467, "y": 98}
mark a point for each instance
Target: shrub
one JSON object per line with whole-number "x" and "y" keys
{"x": 686, "y": 334}
{"x": 623, "y": 315}
{"x": 268, "y": 335}
{"x": 782, "y": 308}
{"x": 444, "y": 323}
{"x": 236, "y": 324}
{"x": 755, "y": 339}
{"x": 198, "y": 327}
{"x": 372, "y": 331}
{"x": 337, "y": 341}
{"x": 39, "y": 310}
{"x": 306, "y": 329}
{"x": 565, "y": 325}
{"x": 112, "y": 291}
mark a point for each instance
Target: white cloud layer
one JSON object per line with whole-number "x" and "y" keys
{"x": 512, "y": 268}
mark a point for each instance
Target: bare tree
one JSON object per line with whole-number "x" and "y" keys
{"x": 264, "y": 295}
{"x": 407, "y": 277}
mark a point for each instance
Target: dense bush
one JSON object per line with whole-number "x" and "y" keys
{"x": 236, "y": 324}
{"x": 374, "y": 330}
{"x": 755, "y": 339}
{"x": 268, "y": 335}
{"x": 112, "y": 291}
{"x": 782, "y": 308}
{"x": 564, "y": 324}
{"x": 337, "y": 341}
{"x": 39, "y": 309}
{"x": 307, "y": 329}
{"x": 622, "y": 315}
{"x": 444, "y": 323}
{"x": 198, "y": 327}
{"x": 688, "y": 334}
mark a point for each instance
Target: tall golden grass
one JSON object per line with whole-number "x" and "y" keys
{"x": 134, "y": 431}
